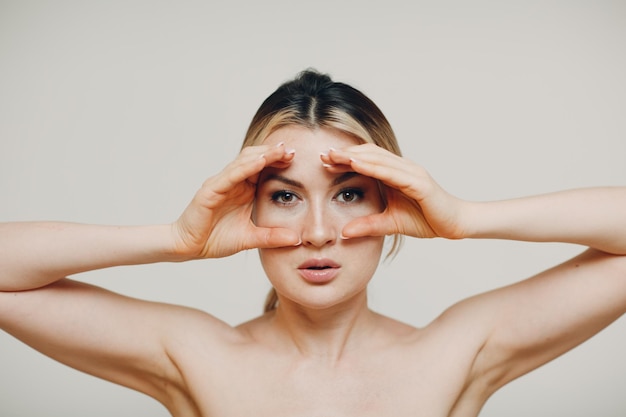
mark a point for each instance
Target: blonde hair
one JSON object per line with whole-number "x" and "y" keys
{"x": 314, "y": 100}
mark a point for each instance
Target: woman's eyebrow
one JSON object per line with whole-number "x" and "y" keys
{"x": 284, "y": 180}
{"x": 293, "y": 183}
{"x": 345, "y": 177}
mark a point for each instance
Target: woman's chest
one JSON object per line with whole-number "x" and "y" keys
{"x": 399, "y": 384}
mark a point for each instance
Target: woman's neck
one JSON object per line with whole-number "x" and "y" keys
{"x": 325, "y": 333}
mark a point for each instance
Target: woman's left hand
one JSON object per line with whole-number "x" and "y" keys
{"x": 416, "y": 205}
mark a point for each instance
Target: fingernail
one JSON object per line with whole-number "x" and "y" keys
{"x": 323, "y": 153}
{"x": 327, "y": 165}
{"x": 278, "y": 145}
{"x": 290, "y": 151}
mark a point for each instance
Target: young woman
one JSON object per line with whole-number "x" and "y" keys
{"x": 317, "y": 187}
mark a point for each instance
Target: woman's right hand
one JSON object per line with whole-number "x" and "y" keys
{"x": 218, "y": 222}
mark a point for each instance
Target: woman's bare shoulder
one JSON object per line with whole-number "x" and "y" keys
{"x": 395, "y": 329}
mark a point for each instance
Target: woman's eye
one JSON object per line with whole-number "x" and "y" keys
{"x": 284, "y": 197}
{"x": 349, "y": 195}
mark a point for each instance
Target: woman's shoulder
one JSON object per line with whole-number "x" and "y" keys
{"x": 396, "y": 328}
{"x": 437, "y": 333}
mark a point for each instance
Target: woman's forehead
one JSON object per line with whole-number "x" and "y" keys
{"x": 306, "y": 166}
{"x": 317, "y": 140}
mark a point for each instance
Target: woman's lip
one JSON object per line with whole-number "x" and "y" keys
{"x": 318, "y": 276}
{"x": 318, "y": 270}
{"x": 318, "y": 263}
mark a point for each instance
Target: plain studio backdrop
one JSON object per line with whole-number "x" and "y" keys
{"x": 114, "y": 112}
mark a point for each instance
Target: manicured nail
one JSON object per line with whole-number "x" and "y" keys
{"x": 323, "y": 153}
{"x": 290, "y": 151}
{"x": 327, "y": 165}
{"x": 278, "y": 145}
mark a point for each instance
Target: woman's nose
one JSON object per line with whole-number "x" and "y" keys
{"x": 318, "y": 227}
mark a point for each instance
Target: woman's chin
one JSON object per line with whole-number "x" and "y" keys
{"x": 320, "y": 299}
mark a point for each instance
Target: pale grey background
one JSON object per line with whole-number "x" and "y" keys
{"x": 115, "y": 111}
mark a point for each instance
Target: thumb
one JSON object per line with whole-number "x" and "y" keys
{"x": 378, "y": 224}
{"x": 272, "y": 237}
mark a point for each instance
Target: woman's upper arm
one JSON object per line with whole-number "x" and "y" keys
{"x": 527, "y": 324}
{"x": 117, "y": 338}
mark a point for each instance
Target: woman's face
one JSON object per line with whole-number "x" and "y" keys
{"x": 324, "y": 270}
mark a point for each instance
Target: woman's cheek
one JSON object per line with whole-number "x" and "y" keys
{"x": 267, "y": 215}
{"x": 360, "y": 210}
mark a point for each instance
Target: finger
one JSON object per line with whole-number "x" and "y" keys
{"x": 391, "y": 169}
{"x": 249, "y": 163}
{"x": 378, "y": 224}
{"x": 272, "y": 237}
{"x": 335, "y": 165}
{"x": 369, "y": 156}
{"x": 284, "y": 160}
{"x": 338, "y": 168}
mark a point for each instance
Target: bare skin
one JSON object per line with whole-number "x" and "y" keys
{"x": 322, "y": 352}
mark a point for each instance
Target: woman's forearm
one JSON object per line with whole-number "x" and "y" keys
{"x": 36, "y": 254}
{"x": 594, "y": 217}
